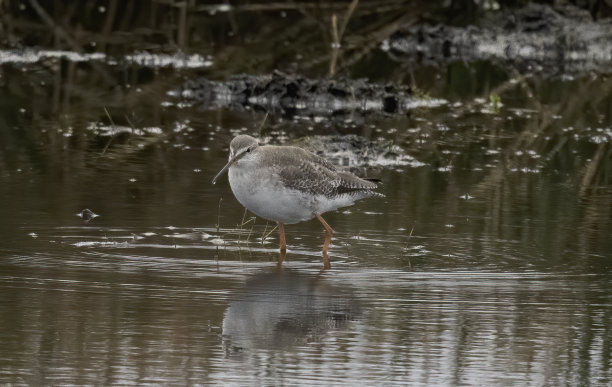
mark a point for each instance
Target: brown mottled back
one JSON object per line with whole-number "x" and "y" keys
{"x": 314, "y": 174}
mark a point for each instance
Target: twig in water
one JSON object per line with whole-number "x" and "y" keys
{"x": 219, "y": 216}
{"x": 239, "y": 227}
{"x": 337, "y": 35}
{"x": 591, "y": 168}
{"x": 406, "y": 247}
{"x": 262, "y": 122}
{"x": 62, "y": 34}
{"x": 252, "y": 219}
{"x": 182, "y": 25}
{"x": 264, "y": 233}
{"x": 349, "y": 13}
{"x": 335, "y": 46}
{"x": 132, "y": 126}
{"x": 218, "y": 222}
{"x": 250, "y": 232}
{"x": 268, "y": 234}
{"x": 114, "y": 131}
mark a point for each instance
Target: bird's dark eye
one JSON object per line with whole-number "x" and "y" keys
{"x": 248, "y": 150}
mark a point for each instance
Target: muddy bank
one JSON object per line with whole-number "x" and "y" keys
{"x": 534, "y": 38}
{"x": 358, "y": 154}
{"x": 295, "y": 95}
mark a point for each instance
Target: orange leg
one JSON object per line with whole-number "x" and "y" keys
{"x": 281, "y": 258}
{"x": 283, "y": 241}
{"x": 328, "y": 235}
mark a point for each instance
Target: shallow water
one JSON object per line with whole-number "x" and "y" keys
{"x": 488, "y": 262}
{"x": 145, "y": 294}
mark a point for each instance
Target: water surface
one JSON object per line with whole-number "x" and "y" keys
{"x": 488, "y": 261}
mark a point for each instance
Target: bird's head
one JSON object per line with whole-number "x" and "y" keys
{"x": 241, "y": 146}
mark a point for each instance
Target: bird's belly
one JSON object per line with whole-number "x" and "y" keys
{"x": 270, "y": 201}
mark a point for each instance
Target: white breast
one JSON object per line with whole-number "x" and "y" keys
{"x": 260, "y": 192}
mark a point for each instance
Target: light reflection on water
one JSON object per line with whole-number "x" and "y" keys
{"x": 488, "y": 262}
{"x": 510, "y": 292}
{"x": 145, "y": 314}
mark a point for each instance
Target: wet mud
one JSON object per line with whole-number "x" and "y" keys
{"x": 291, "y": 95}
{"x": 360, "y": 155}
{"x": 534, "y": 38}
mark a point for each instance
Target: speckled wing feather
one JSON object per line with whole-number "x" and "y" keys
{"x": 315, "y": 175}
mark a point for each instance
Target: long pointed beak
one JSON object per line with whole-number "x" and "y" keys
{"x": 222, "y": 171}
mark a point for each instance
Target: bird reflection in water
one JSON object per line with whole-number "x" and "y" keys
{"x": 281, "y": 308}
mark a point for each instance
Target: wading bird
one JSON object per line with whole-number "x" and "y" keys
{"x": 287, "y": 185}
